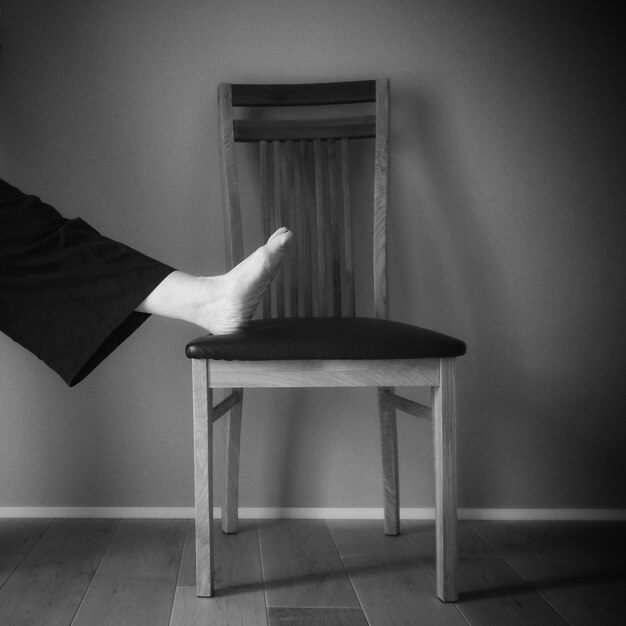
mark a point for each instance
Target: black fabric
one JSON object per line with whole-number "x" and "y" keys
{"x": 325, "y": 338}
{"x": 67, "y": 293}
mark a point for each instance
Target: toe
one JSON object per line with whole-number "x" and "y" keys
{"x": 281, "y": 231}
{"x": 279, "y": 240}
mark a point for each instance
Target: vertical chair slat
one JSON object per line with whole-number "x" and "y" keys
{"x": 333, "y": 209}
{"x": 230, "y": 189}
{"x": 291, "y": 210}
{"x": 278, "y": 214}
{"x": 380, "y": 197}
{"x": 308, "y": 222}
{"x": 321, "y": 228}
{"x": 266, "y": 211}
{"x": 347, "y": 229}
{"x": 298, "y": 226}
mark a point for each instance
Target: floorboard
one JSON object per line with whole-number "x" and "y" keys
{"x": 602, "y": 544}
{"x": 17, "y": 537}
{"x": 282, "y": 616}
{"x": 309, "y": 572}
{"x": 392, "y": 582}
{"x": 50, "y": 582}
{"x": 239, "y": 594}
{"x": 581, "y": 592}
{"x": 490, "y": 592}
{"x": 421, "y": 535}
{"x": 302, "y": 567}
{"x": 136, "y": 580}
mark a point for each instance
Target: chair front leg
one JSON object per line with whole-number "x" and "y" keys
{"x": 230, "y": 511}
{"x": 389, "y": 444}
{"x": 444, "y": 427}
{"x": 203, "y": 476}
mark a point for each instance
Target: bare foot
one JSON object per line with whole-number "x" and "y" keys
{"x": 233, "y": 297}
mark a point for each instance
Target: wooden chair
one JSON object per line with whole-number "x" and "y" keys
{"x": 309, "y": 336}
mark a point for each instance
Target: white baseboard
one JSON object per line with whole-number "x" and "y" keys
{"x": 312, "y": 513}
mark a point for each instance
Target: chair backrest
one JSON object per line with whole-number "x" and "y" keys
{"x": 305, "y": 185}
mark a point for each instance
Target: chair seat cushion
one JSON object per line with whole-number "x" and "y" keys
{"x": 325, "y": 338}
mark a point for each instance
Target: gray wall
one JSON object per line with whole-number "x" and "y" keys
{"x": 506, "y": 230}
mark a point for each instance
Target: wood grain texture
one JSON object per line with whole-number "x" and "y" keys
{"x": 316, "y": 617}
{"x": 17, "y": 537}
{"x": 290, "y": 210}
{"x": 304, "y": 94}
{"x": 393, "y": 585}
{"x": 421, "y": 535}
{"x": 408, "y": 406}
{"x": 302, "y": 567}
{"x": 381, "y": 194}
{"x": 8, "y": 563}
{"x": 322, "y": 234}
{"x": 136, "y": 580}
{"x": 49, "y": 584}
{"x": 307, "y": 223}
{"x": 119, "y": 569}
{"x": 302, "y": 268}
{"x": 319, "y": 373}
{"x": 493, "y": 593}
{"x": 279, "y": 220}
{"x": 602, "y": 544}
{"x": 239, "y": 597}
{"x": 230, "y": 510}
{"x": 362, "y": 127}
{"x": 267, "y": 177}
{"x": 230, "y": 401}
{"x": 444, "y": 431}
{"x": 347, "y": 229}
{"x": 230, "y": 187}
{"x": 389, "y": 446}
{"x": 334, "y": 209}
{"x": 203, "y": 476}
{"x": 579, "y": 591}
{"x": 329, "y": 181}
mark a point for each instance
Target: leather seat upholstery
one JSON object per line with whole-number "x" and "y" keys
{"x": 325, "y": 338}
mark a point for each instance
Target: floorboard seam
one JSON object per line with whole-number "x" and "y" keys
{"x": 347, "y": 570}
{"x": 180, "y": 567}
{"x": 316, "y": 606}
{"x": 594, "y": 564}
{"x": 258, "y": 541}
{"x": 530, "y": 585}
{"x": 26, "y": 554}
{"x": 104, "y": 553}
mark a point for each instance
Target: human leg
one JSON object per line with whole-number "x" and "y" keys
{"x": 72, "y": 296}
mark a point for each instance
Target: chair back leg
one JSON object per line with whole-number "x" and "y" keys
{"x": 389, "y": 444}
{"x": 444, "y": 430}
{"x": 203, "y": 476}
{"x": 230, "y": 510}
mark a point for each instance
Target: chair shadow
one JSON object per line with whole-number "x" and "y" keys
{"x": 602, "y": 576}
{"x": 404, "y": 565}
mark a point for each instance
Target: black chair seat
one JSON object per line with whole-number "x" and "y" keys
{"x": 325, "y": 338}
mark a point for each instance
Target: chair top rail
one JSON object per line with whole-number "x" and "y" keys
{"x": 304, "y": 94}
{"x": 361, "y": 127}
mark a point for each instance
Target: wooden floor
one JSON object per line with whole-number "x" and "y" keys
{"x": 141, "y": 572}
